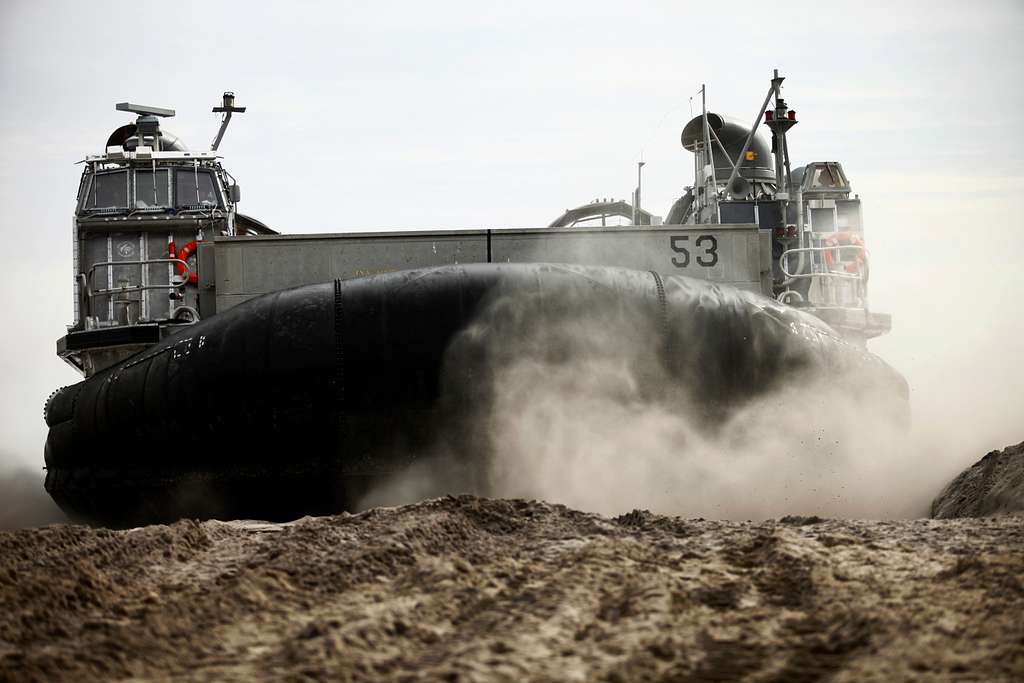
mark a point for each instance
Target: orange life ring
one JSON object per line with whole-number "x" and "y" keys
{"x": 841, "y": 239}
{"x": 186, "y": 251}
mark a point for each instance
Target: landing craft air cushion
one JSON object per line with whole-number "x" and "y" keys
{"x": 234, "y": 371}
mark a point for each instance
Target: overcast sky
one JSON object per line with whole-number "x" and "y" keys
{"x": 445, "y": 115}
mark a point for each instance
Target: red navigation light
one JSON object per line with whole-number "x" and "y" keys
{"x": 792, "y": 115}
{"x": 768, "y": 116}
{"x": 780, "y": 232}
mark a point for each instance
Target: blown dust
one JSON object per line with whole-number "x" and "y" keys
{"x": 574, "y": 405}
{"x": 491, "y": 586}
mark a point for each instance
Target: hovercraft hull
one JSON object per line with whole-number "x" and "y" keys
{"x": 295, "y": 402}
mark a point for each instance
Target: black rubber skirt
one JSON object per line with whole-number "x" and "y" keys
{"x": 296, "y": 402}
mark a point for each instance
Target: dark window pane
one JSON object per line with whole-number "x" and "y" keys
{"x": 827, "y": 177}
{"x": 823, "y": 220}
{"x": 108, "y": 190}
{"x": 736, "y": 212}
{"x": 769, "y": 215}
{"x": 194, "y": 188}
{"x": 824, "y": 178}
{"x": 151, "y": 189}
{"x": 849, "y": 214}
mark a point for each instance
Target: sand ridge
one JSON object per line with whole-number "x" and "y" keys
{"x": 472, "y": 589}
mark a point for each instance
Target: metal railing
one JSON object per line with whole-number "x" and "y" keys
{"x": 835, "y": 288}
{"x": 93, "y": 293}
{"x": 784, "y": 262}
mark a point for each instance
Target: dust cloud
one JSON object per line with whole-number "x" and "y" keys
{"x": 575, "y": 407}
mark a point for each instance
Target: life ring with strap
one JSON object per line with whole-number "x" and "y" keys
{"x": 186, "y": 251}
{"x": 843, "y": 239}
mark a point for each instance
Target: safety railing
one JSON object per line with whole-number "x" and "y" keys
{"x": 861, "y": 274}
{"x": 830, "y": 287}
{"x": 119, "y": 297}
{"x": 125, "y": 289}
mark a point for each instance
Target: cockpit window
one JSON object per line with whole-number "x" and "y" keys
{"x": 195, "y": 187}
{"x": 828, "y": 176}
{"x": 152, "y": 189}
{"x": 108, "y": 190}
{"x": 825, "y": 177}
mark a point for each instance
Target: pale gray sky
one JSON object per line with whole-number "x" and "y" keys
{"x": 462, "y": 114}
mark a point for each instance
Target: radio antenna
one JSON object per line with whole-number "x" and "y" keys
{"x": 229, "y": 108}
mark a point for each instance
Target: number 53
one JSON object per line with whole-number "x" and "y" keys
{"x": 707, "y": 259}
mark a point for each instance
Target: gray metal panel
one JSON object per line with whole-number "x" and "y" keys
{"x": 720, "y": 253}
{"x": 94, "y": 250}
{"x": 226, "y": 301}
{"x": 207, "y": 281}
{"x": 249, "y": 266}
{"x": 765, "y": 261}
{"x": 157, "y": 301}
{"x": 125, "y": 246}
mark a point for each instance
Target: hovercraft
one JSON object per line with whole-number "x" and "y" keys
{"x": 231, "y": 371}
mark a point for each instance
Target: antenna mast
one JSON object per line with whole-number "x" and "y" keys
{"x": 780, "y": 120}
{"x": 636, "y": 194}
{"x": 228, "y": 107}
